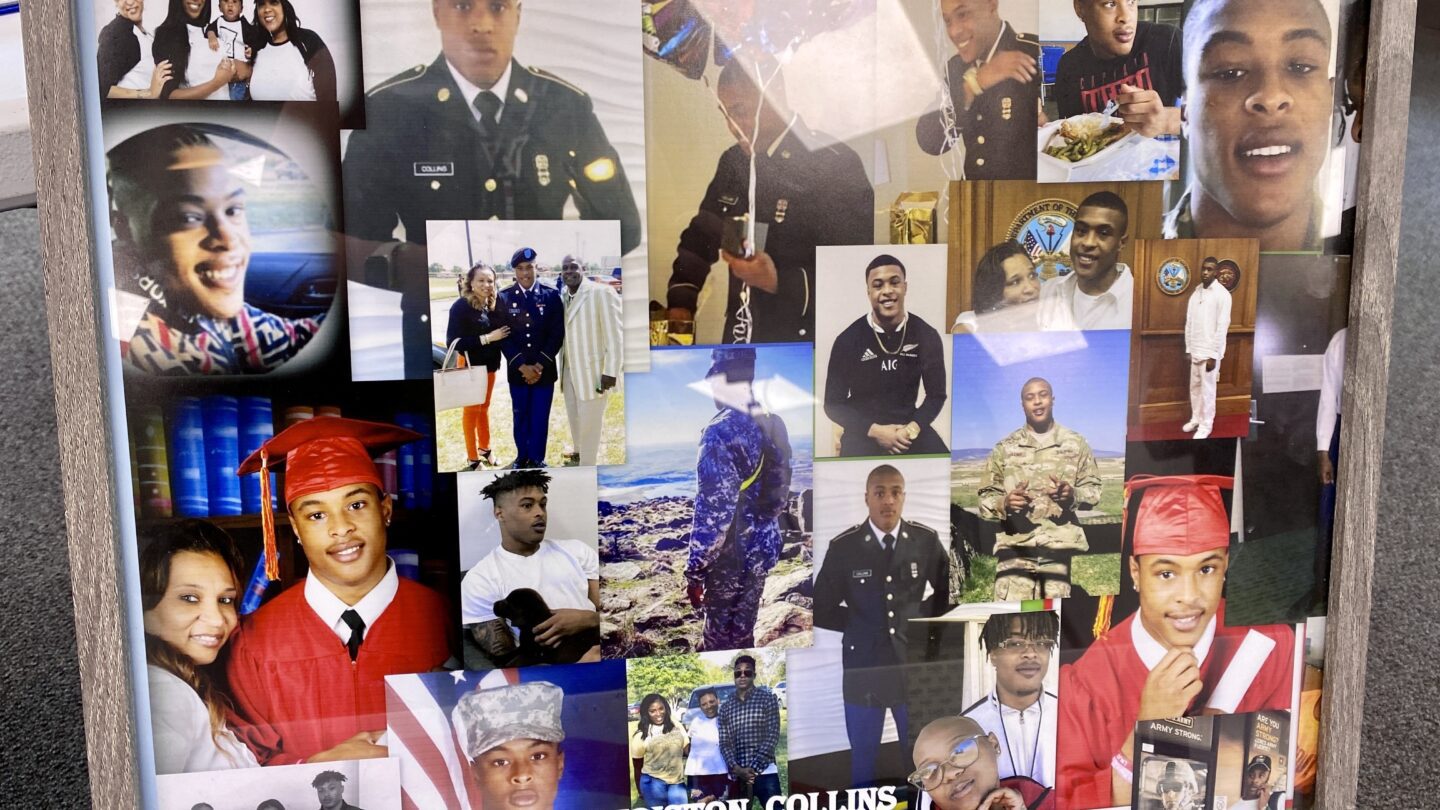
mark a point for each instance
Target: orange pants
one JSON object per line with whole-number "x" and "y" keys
{"x": 475, "y": 423}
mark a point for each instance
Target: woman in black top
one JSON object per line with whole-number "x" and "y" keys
{"x": 305, "y": 74}
{"x": 179, "y": 38}
{"x": 125, "y": 66}
{"x": 476, "y": 331}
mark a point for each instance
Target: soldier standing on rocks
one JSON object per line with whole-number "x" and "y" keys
{"x": 743, "y": 484}
{"x": 1036, "y": 480}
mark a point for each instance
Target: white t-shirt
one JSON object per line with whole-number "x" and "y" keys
{"x": 1064, "y": 307}
{"x": 181, "y": 727}
{"x": 560, "y": 571}
{"x": 281, "y": 74}
{"x": 138, "y": 77}
{"x": 203, "y": 63}
{"x": 232, "y": 38}
{"x": 705, "y": 758}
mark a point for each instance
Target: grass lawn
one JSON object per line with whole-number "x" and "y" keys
{"x": 450, "y": 441}
{"x": 782, "y": 761}
{"x": 1096, "y": 573}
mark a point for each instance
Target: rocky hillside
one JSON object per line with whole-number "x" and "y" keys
{"x": 644, "y": 611}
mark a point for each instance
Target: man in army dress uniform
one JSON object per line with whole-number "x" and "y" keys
{"x": 743, "y": 483}
{"x": 1037, "y": 478}
{"x": 512, "y": 736}
{"x": 473, "y": 135}
{"x": 536, "y": 318}
{"x": 810, "y": 190}
{"x": 992, "y": 96}
{"x": 876, "y": 577}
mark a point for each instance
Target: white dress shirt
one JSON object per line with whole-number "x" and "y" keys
{"x": 1151, "y": 651}
{"x": 1207, "y": 322}
{"x": 1332, "y": 377}
{"x": 501, "y": 88}
{"x": 329, "y": 607}
{"x": 1063, "y": 307}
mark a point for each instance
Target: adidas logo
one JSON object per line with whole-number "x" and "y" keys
{"x": 868, "y": 355}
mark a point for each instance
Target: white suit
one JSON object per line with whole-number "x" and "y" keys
{"x": 1207, "y": 322}
{"x": 593, "y": 348}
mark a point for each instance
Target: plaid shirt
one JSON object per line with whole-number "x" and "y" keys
{"x": 750, "y": 730}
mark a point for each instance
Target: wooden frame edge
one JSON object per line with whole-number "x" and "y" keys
{"x": 88, "y": 471}
{"x": 1390, "y": 52}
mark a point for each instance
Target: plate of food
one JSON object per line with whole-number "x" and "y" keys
{"x": 1081, "y": 141}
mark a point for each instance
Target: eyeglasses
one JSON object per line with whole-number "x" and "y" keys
{"x": 932, "y": 774}
{"x": 1023, "y": 645}
{"x": 744, "y": 673}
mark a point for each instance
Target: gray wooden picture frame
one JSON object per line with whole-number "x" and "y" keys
{"x": 73, "y": 307}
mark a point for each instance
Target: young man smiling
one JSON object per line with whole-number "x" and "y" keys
{"x": 1176, "y": 656}
{"x": 1258, "y": 114}
{"x": 307, "y": 671}
{"x": 1098, "y": 292}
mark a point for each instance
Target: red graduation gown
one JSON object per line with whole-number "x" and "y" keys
{"x": 296, "y": 691}
{"x": 1100, "y": 700}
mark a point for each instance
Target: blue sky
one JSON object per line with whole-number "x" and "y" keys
{"x": 1089, "y": 372}
{"x": 663, "y": 408}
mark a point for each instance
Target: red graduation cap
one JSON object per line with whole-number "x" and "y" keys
{"x": 319, "y": 455}
{"x": 1179, "y": 514}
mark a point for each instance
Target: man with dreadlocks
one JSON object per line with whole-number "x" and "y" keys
{"x": 1019, "y": 712}
{"x": 565, "y": 573}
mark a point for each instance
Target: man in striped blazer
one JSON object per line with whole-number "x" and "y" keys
{"x": 591, "y": 359}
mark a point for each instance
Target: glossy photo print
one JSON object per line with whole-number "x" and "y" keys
{"x": 705, "y": 531}
{"x": 1037, "y": 464}
{"x": 359, "y": 784}
{"x": 543, "y": 737}
{"x": 500, "y": 110}
{"x": 243, "y": 51}
{"x": 222, "y": 235}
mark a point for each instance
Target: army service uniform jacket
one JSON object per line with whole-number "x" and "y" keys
{"x": 424, "y": 156}
{"x": 871, "y": 597}
{"x": 998, "y": 131}
{"x": 537, "y": 330}
{"x": 810, "y": 191}
{"x": 1044, "y": 526}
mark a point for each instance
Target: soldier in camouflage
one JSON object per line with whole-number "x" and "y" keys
{"x": 512, "y": 736}
{"x": 743, "y": 484}
{"x": 1036, "y": 480}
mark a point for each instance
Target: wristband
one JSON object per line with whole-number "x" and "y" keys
{"x": 1122, "y": 766}
{"x": 972, "y": 81}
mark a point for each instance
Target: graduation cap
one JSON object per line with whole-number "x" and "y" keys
{"x": 1179, "y": 514}
{"x": 319, "y": 455}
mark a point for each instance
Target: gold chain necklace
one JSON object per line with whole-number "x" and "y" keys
{"x": 901, "y": 345}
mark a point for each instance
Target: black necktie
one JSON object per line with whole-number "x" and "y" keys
{"x": 357, "y": 631}
{"x": 888, "y": 542}
{"x": 489, "y": 106}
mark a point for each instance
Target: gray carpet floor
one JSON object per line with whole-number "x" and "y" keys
{"x": 40, "y": 719}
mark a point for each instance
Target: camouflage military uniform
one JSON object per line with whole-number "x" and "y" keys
{"x": 743, "y": 477}
{"x": 1035, "y": 545}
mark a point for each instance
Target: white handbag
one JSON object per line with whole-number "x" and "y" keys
{"x": 459, "y": 387}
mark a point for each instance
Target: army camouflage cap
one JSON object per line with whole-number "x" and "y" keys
{"x": 486, "y": 718}
{"x": 737, "y": 364}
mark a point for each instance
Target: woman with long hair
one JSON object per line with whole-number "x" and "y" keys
{"x": 126, "y": 66}
{"x": 189, "y": 586}
{"x": 475, "y": 324}
{"x": 1004, "y": 277}
{"x": 196, "y": 71}
{"x": 657, "y": 750}
{"x": 293, "y": 64}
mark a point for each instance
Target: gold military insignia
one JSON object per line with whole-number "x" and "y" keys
{"x": 1005, "y": 107}
{"x": 490, "y": 185}
{"x": 542, "y": 169}
{"x": 443, "y": 94}
{"x": 600, "y": 170}
{"x": 781, "y": 206}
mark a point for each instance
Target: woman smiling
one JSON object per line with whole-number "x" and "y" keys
{"x": 294, "y": 65}
{"x": 189, "y": 585}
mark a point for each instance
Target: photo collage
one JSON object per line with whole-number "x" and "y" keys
{"x": 529, "y": 404}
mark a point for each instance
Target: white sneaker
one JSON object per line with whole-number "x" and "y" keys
{"x": 1189, "y": 427}
{"x": 1202, "y": 433}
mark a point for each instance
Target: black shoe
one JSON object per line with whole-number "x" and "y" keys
{"x": 471, "y": 467}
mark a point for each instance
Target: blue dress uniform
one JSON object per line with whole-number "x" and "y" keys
{"x": 423, "y": 156}
{"x": 810, "y": 191}
{"x": 870, "y": 595}
{"x": 998, "y": 131}
{"x": 537, "y": 330}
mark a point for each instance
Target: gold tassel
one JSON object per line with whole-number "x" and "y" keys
{"x": 267, "y": 521}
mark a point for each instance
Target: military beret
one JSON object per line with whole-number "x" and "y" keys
{"x": 486, "y": 718}
{"x": 738, "y": 365}
{"x": 524, "y": 254}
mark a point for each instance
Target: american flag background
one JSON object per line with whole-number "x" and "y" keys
{"x": 435, "y": 773}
